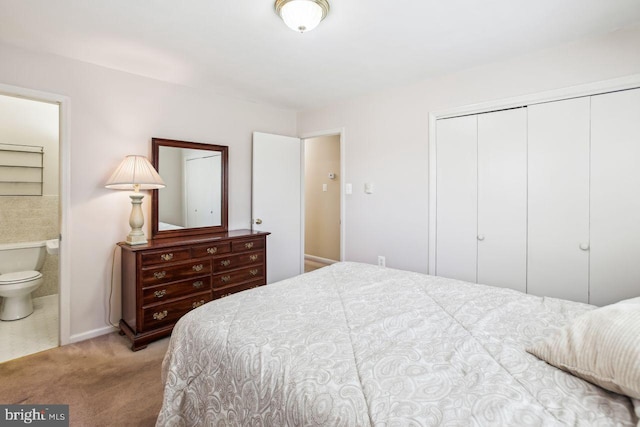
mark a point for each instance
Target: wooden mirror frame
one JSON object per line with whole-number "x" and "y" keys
{"x": 156, "y": 143}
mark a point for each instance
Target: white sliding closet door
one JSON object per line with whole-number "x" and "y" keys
{"x": 558, "y": 229}
{"x": 502, "y": 199}
{"x": 456, "y": 198}
{"x": 615, "y": 196}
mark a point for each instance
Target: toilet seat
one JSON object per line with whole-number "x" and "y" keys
{"x": 19, "y": 277}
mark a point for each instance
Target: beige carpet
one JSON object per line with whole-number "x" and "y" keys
{"x": 103, "y": 381}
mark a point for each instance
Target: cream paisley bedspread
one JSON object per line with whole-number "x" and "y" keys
{"x": 359, "y": 345}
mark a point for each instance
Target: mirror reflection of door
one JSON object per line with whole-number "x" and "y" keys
{"x": 202, "y": 175}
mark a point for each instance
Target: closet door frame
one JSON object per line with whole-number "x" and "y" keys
{"x": 597, "y": 88}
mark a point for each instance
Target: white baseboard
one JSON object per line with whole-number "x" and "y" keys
{"x": 91, "y": 334}
{"x": 319, "y": 260}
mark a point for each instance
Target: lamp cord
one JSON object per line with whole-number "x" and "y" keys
{"x": 113, "y": 267}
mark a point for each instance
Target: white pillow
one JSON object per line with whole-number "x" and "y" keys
{"x": 601, "y": 346}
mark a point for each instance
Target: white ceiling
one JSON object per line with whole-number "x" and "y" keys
{"x": 242, "y": 48}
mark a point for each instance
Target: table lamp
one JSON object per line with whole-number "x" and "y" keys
{"x": 135, "y": 173}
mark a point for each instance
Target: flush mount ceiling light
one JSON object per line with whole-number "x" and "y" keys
{"x": 302, "y": 15}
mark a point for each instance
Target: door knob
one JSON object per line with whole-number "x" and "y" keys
{"x": 480, "y": 236}
{"x": 584, "y": 246}
{"x": 258, "y": 221}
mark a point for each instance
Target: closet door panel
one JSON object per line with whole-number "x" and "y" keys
{"x": 502, "y": 199}
{"x": 558, "y": 219}
{"x": 615, "y": 196}
{"x": 456, "y": 198}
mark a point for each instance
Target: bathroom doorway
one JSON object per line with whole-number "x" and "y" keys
{"x": 30, "y": 212}
{"x": 322, "y": 201}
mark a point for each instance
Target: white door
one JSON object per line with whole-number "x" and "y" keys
{"x": 502, "y": 199}
{"x": 456, "y": 198}
{"x": 615, "y": 196}
{"x": 277, "y": 202}
{"x": 558, "y": 231}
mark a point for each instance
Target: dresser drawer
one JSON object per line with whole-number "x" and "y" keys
{"x": 248, "y": 245}
{"x": 172, "y": 290}
{"x": 164, "y": 314}
{"x": 217, "y": 248}
{"x": 164, "y": 256}
{"x": 225, "y": 292}
{"x": 232, "y": 262}
{"x": 171, "y": 273}
{"x": 237, "y": 276}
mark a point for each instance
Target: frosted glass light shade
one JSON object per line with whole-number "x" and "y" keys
{"x": 135, "y": 173}
{"x": 302, "y": 15}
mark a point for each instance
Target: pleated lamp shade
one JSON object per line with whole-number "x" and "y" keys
{"x": 135, "y": 173}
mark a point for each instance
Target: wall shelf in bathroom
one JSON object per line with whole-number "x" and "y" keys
{"x": 21, "y": 170}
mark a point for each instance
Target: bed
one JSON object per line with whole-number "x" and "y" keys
{"x": 360, "y": 345}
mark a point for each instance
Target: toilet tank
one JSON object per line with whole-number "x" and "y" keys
{"x": 21, "y": 256}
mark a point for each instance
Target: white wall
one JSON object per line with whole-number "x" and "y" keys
{"x": 386, "y": 137}
{"x": 114, "y": 114}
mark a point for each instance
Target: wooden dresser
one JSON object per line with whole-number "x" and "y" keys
{"x": 165, "y": 278}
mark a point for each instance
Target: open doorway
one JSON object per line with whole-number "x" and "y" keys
{"x": 29, "y": 226}
{"x": 322, "y": 201}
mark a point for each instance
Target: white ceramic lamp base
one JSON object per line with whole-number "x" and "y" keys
{"x": 136, "y": 221}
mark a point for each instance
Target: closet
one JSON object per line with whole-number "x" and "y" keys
{"x": 543, "y": 198}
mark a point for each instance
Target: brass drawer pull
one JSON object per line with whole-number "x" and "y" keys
{"x": 197, "y": 303}
{"x": 212, "y": 250}
{"x": 253, "y": 272}
{"x": 161, "y": 315}
{"x": 253, "y": 257}
{"x": 225, "y": 279}
{"x": 166, "y": 257}
{"x": 197, "y": 267}
{"x": 225, "y": 263}
{"x": 198, "y": 284}
{"x": 160, "y": 294}
{"x": 248, "y": 245}
{"x": 225, "y": 295}
{"x": 160, "y": 274}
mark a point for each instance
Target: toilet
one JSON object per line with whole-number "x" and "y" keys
{"x": 19, "y": 277}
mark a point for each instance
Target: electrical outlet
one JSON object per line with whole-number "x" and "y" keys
{"x": 381, "y": 261}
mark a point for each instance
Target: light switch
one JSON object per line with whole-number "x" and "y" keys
{"x": 324, "y": 187}
{"x": 348, "y": 188}
{"x": 368, "y": 188}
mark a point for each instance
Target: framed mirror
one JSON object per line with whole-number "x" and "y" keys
{"x": 195, "y": 199}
